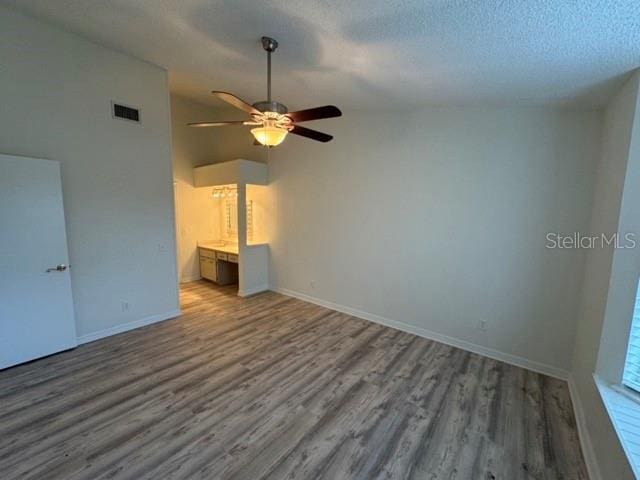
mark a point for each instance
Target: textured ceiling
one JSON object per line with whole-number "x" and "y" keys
{"x": 371, "y": 54}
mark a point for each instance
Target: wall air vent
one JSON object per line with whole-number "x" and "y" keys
{"x": 125, "y": 112}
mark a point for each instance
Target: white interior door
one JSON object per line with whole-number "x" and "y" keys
{"x": 36, "y": 307}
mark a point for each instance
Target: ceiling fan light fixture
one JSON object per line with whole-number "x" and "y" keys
{"x": 269, "y": 136}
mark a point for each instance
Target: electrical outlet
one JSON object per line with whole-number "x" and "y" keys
{"x": 162, "y": 248}
{"x": 125, "y": 306}
{"x": 482, "y": 325}
{"x": 312, "y": 284}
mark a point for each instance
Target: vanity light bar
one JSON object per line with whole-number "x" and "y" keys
{"x": 222, "y": 192}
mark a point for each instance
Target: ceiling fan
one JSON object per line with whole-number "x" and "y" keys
{"x": 272, "y": 119}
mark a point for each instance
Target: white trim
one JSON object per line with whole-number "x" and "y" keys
{"x": 588, "y": 451}
{"x": 438, "y": 337}
{"x": 190, "y": 278}
{"x": 627, "y": 392}
{"x": 253, "y": 291}
{"x": 125, "y": 327}
{"x": 610, "y": 395}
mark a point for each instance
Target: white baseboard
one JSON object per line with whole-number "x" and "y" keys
{"x": 438, "y": 337}
{"x": 191, "y": 278}
{"x": 583, "y": 433}
{"x": 252, "y": 291}
{"x": 107, "y": 332}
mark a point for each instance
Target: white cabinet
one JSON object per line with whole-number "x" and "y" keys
{"x": 208, "y": 268}
{"x": 219, "y": 267}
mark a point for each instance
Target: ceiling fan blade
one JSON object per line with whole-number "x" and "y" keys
{"x": 216, "y": 124}
{"x": 236, "y": 102}
{"x": 312, "y": 134}
{"x": 318, "y": 113}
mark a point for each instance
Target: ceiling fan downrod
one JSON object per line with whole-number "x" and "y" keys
{"x": 270, "y": 45}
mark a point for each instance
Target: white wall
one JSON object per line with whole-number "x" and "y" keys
{"x": 625, "y": 266}
{"x": 437, "y": 219}
{"x": 193, "y": 147}
{"x": 116, "y": 176}
{"x": 612, "y": 173}
{"x": 253, "y": 267}
{"x": 196, "y": 217}
{"x": 260, "y": 199}
{"x": 235, "y": 141}
{"x": 190, "y": 146}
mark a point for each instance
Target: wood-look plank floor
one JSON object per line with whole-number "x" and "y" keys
{"x": 273, "y": 387}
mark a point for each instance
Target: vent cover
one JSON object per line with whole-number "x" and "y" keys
{"x": 125, "y": 112}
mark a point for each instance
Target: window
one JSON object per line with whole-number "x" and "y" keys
{"x": 631, "y": 375}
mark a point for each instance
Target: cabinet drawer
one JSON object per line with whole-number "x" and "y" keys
{"x": 221, "y": 256}
{"x": 232, "y": 258}
{"x": 207, "y": 253}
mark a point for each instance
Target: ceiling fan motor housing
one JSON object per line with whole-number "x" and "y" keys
{"x": 271, "y": 106}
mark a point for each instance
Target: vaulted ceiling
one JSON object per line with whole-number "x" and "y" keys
{"x": 371, "y": 54}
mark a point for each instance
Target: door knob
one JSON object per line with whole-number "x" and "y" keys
{"x": 59, "y": 268}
